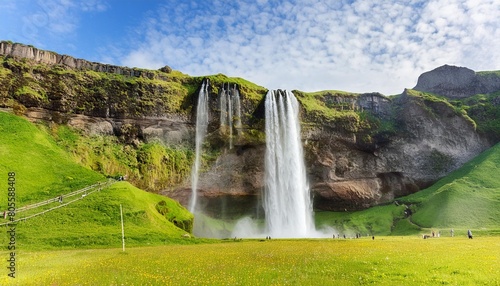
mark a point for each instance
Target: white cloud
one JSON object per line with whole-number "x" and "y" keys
{"x": 312, "y": 45}
{"x": 45, "y": 21}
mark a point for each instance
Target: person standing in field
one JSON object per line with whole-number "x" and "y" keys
{"x": 469, "y": 234}
{"x": 452, "y": 232}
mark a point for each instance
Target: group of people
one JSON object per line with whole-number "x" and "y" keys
{"x": 357, "y": 235}
{"x": 452, "y": 234}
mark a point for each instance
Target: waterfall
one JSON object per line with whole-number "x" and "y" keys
{"x": 201, "y": 131}
{"x": 230, "y": 111}
{"x": 237, "y": 109}
{"x": 287, "y": 203}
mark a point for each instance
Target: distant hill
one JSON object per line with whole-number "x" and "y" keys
{"x": 44, "y": 171}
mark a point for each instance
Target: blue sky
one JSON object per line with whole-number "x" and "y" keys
{"x": 310, "y": 45}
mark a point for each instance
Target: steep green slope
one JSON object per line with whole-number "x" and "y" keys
{"x": 468, "y": 198}
{"x": 44, "y": 171}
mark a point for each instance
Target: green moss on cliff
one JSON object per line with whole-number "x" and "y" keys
{"x": 91, "y": 92}
{"x": 438, "y": 105}
{"x": 330, "y": 105}
{"x": 340, "y": 110}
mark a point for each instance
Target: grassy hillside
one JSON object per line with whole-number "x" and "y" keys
{"x": 44, "y": 171}
{"x": 468, "y": 198}
{"x": 95, "y": 222}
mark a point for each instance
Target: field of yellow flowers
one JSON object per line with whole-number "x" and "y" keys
{"x": 382, "y": 261}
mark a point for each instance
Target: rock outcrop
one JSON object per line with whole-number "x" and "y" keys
{"x": 457, "y": 82}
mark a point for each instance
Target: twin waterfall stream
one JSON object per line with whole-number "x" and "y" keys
{"x": 286, "y": 200}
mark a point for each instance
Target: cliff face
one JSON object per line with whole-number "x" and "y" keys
{"x": 431, "y": 141}
{"x": 361, "y": 149}
{"x": 21, "y": 51}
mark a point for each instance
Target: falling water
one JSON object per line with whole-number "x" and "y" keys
{"x": 223, "y": 108}
{"x": 229, "y": 100}
{"x": 230, "y": 117}
{"x": 237, "y": 109}
{"x": 287, "y": 202}
{"x": 201, "y": 131}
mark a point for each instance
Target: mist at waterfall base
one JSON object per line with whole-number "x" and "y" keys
{"x": 285, "y": 207}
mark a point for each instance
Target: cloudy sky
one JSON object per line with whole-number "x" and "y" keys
{"x": 309, "y": 45}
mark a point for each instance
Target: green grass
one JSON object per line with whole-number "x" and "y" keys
{"x": 383, "y": 261}
{"x": 376, "y": 220}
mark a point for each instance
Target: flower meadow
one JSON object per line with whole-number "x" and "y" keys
{"x": 382, "y": 261}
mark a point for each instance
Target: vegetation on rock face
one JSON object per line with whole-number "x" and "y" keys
{"x": 344, "y": 112}
{"x": 485, "y": 110}
{"x": 89, "y": 92}
{"x": 248, "y": 90}
{"x": 437, "y": 105}
{"x": 150, "y": 166}
{"x": 481, "y": 110}
{"x": 329, "y": 106}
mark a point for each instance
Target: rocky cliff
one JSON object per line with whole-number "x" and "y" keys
{"x": 361, "y": 149}
{"x": 457, "y": 82}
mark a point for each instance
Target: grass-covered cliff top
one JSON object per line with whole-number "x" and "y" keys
{"x": 329, "y": 104}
